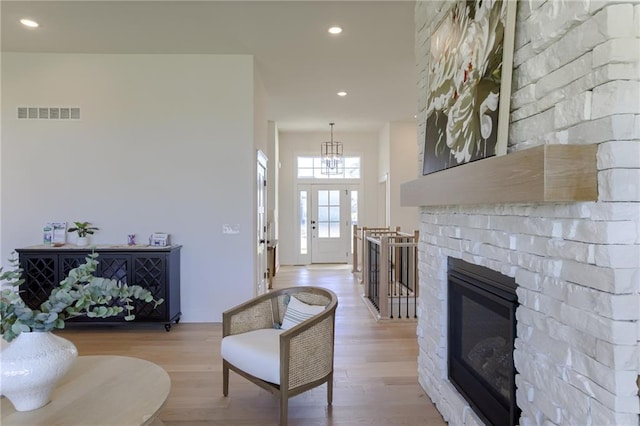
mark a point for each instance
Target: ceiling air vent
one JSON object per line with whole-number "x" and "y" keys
{"x": 48, "y": 113}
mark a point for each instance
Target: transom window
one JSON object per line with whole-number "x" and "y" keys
{"x": 310, "y": 168}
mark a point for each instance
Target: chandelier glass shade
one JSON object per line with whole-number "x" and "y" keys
{"x": 332, "y": 156}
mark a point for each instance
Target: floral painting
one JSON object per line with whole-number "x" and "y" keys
{"x": 469, "y": 84}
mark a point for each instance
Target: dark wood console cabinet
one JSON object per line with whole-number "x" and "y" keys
{"x": 155, "y": 268}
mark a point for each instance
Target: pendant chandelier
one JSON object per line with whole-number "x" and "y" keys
{"x": 332, "y": 156}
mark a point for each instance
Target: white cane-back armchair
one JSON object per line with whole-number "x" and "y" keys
{"x": 283, "y": 341}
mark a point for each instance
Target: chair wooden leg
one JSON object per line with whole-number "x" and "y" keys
{"x": 225, "y": 379}
{"x": 330, "y": 389}
{"x": 284, "y": 415}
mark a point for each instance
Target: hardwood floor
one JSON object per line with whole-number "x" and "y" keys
{"x": 375, "y": 380}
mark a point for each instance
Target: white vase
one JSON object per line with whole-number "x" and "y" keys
{"x": 31, "y": 366}
{"x": 82, "y": 241}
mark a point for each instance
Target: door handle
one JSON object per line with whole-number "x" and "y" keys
{"x": 263, "y": 241}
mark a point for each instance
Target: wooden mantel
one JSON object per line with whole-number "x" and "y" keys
{"x": 548, "y": 173}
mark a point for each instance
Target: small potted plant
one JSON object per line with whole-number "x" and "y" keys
{"x": 84, "y": 229}
{"x": 36, "y": 358}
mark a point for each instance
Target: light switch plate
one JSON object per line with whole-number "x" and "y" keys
{"x": 231, "y": 229}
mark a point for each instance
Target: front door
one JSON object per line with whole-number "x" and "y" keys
{"x": 330, "y": 223}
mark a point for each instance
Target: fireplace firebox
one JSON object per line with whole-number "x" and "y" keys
{"x": 482, "y": 329}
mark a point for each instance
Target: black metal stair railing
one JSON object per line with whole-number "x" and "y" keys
{"x": 359, "y": 244}
{"x": 390, "y": 274}
{"x": 373, "y": 282}
{"x": 402, "y": 278}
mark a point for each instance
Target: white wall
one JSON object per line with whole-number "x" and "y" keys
{"x": 398, "y": 154}
{"x": 292, "y": 144}
{"x": 165, "y": 143}
{"x": 260, "y": 123}
{"x": 403, "y": 156}
{"x": 384, "y": 170}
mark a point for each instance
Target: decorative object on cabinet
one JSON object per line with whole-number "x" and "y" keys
{"x": 470, "y": 66}
{"x": 55, "y": 233}
{"x": 84, "y": 230}
{"x": 47, "y": 235}
{"x": 159, "y": 239}
{"x": 156, "y": 269}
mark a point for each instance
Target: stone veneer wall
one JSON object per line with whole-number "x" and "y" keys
{"x": 576, "y": 81}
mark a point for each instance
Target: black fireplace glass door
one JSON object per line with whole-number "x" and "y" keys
{"x": 481, "y": 343}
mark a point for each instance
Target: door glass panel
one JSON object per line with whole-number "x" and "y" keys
{"x": 328, "y": 213}
{"x": 302, "y": 211}
{"x": 334, "y": 214}
{"x": 323, "y": 198}
{"x": 323, "y": 230}
{"x": 334, "y": 230}
{"x": 323, "y": 214}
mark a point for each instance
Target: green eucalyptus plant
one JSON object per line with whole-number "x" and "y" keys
{"x": 83, "y": 229}
{"x": 79, "y": 294}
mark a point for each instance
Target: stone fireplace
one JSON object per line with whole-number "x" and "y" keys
{"x": 575, "y": 263}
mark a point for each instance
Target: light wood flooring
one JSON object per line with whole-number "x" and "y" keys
{"x": 375, "y": 380}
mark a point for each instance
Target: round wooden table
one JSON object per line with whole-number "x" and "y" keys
{"x": 100, "y": 390}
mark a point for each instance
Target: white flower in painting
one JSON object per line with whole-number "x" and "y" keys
{"x": 489, "y": 104}
{"x": 459, "y": 121}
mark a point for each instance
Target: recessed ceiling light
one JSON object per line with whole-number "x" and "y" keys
{"x": 29, "y": 23}
{"x": 335, "y": 30}
{"x": 342, "y": 93}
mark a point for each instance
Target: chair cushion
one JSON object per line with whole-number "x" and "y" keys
{"x": 298, "y": 312}
{"x": 255, "y": 352}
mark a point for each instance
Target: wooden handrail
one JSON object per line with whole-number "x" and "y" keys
{"x": 359, "y": 241}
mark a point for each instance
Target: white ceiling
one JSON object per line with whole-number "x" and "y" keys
{"x": 301, "y": 65}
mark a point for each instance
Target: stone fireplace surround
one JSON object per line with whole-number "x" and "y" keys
{"x": 576, "y": 264}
